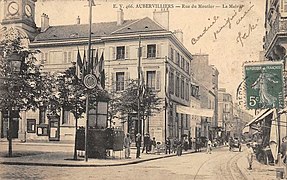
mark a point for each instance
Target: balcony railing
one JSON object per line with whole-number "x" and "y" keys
{"x": 279, "y": 25}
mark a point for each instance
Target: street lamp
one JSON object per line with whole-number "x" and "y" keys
{"x": 14, "y": 61}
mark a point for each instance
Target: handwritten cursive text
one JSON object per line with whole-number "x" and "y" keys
{"x": 195, "y": 40}
{"x": 243, "y": 36}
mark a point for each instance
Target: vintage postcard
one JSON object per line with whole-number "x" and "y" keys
{"x": 132, "y": 89}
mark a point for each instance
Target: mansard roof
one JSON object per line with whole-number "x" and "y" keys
{"x": 102, "y": 29}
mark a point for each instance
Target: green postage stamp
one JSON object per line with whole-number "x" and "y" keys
{"x": 264, "y": 85}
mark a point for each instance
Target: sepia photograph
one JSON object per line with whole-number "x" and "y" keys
{"x": 143, "y": 90}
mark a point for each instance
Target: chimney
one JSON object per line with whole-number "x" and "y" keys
{"x": 120, "y": 17}
{"x": 78, "y": 20}
{"x": 162, "y": 18}
{"x": 179, "y": 34}
{"x": 44, "y": 22}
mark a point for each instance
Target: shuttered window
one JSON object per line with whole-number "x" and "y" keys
{"x": 121, "y": 52}
{"x": 171, "y": 54}
{"x": 151, "y": 51}
{"x": 120, "y": 81}
{"x": 55, "y": 57}
{"x": 171, "y": 82}
{"x": 177, "y": 86}
{"x": 151, "y": 79}
{"x": 66, "y": 117}
{"x": 67, "y": 57}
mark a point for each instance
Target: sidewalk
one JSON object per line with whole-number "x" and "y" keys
{"x": 52, "y": 155}
{"x": 259, "y": 171}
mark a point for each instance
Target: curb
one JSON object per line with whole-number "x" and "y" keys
{"x": 95, "y": 165}
{"x": 87, "y": 165}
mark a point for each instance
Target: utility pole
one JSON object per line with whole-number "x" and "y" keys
{"x": 88, "y": 71}
{"x": 139, "y": 85}
{"x": 166, "y": 103}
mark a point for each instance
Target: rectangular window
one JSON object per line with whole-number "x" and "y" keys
{"x": 182, "y": 89}
{"x": 187, "y": 91}
{"x": 121, "y": 52}
{"x": 177, "y": 86}
{"x": 66, "y": 117}
{"x": 31, "y": 125}
{"x": 182, "y": 63}
{"x": 171, "y": 54}
{"x": 55, "y": 57}
{"x": 67, "y": 57}
{"x": 42, "y": 115}
{"x": 151, "y": 79}
{"x": 171, "y": 83}
{"x": 187, "y": 67}
{"x": 177, "y": 59}
{"x": 151, "y": 51}
{"x": 120, "y": 81}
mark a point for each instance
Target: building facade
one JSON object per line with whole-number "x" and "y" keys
{"x": 207, "y": 76}
{"x": 275, "y": 43}
{"x": 225, "y": 112}
{"x": 165, "y": 62}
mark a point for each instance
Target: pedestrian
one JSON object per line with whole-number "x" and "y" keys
{"x": 127, "y": 146}
{"x": 138, "y": 144}
{"x": 146, "y": 143}
{"x": 153, "y": 145}
{"x": 179, "y": 148}
{"x": 167, "y": 146}
{"x": 173, "y": 145}
{"x": 250, "y": 155}
{"x": 208, "y": 148}
{"x": 158, "y": 147}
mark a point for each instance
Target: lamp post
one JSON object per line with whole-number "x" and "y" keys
{"x": 14, "y": 62}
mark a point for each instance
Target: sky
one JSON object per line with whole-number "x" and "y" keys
{"x": 230, "y": 32}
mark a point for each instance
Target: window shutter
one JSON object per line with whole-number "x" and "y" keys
{"x": 158, "y": 50}
{"x": 69, "y": 56}
{"x": 127, "y": 56}
{"x": 144, "y": 51}
{"x": 65, "y": 57}
{"x": 157, "y": 80}
{"x": 112, "y": 53}
{"x": 126, "y": 80}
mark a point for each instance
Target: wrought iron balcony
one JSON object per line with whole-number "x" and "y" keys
{"x": 278, "y": 27}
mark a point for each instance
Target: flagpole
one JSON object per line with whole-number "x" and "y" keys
{"x": 88, "y": 71}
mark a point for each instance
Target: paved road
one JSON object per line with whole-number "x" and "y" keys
{"x": 221, "y": 164}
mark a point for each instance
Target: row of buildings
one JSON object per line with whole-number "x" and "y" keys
{"x": 187, "y": 80}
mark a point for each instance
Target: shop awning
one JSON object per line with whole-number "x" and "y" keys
{"x": 194, "y": 111}
{"x": 260, "y": 116}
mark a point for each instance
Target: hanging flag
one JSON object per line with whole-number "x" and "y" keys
{"x": 85, "y": 65}
{"x": 102, "y": 71}
{"x": 79, "y": 64}
{"x": 91, "y": 60}
{"x": 94, "y": 62}
{"x": 142, "y": 84}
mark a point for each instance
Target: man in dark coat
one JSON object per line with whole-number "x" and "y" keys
{"x": 146, "y": 143}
